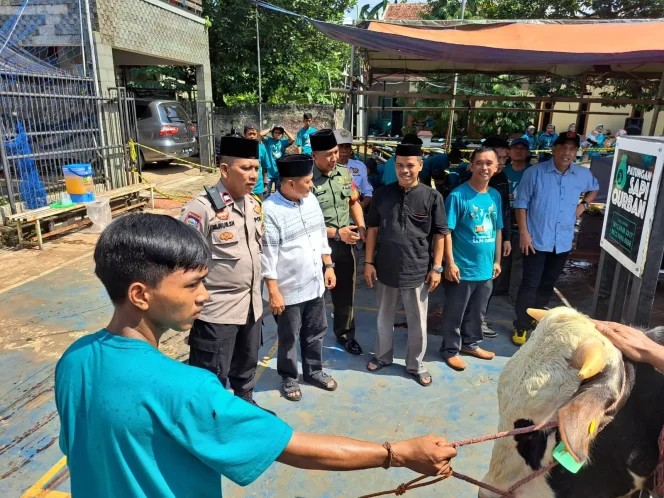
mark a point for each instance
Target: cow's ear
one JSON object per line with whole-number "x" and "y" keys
{"x": 579, "y": 419}
{"x": 537, "y": 314}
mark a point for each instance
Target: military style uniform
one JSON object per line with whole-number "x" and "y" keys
{"x": 226, "y": 338}
{"x": 336, "y": 192}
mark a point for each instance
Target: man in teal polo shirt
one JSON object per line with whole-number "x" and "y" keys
{"x": 251, "y": 132}
{"x": 134, "y": 422}
{"x": 303, "y": 143}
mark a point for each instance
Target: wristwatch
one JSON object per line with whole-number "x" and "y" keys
{"x": 438, "y": 269}
{"x": 584, "y": 204}
{"x": 337, "y": 237}
{"x": 327, "y": 267}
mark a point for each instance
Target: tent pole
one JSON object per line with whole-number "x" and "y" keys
{"x": 655, "y": 113}
{"x": 579, "y": 111}
{"x": 450, "y": 124}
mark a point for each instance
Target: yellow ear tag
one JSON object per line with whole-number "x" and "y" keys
{"x": 593, "y": 427}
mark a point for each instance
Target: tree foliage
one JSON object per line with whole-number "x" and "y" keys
{"x": 298, "y": 64}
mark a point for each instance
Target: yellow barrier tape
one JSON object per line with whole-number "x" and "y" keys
{"x": 173, "y": 197}
{"x": 132, "y": 150}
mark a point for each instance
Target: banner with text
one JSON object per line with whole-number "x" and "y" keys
{"x": 635, "y": 179}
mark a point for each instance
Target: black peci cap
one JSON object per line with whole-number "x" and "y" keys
{"x": 409, "y": 150}
{"x": 323, "y": 140}
{"x": 245, "y": 148}
{"x": 295, "y": 165}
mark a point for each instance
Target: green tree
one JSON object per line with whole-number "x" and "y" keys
{"x": 298, "y": 64}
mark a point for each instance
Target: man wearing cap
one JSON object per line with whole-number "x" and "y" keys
{"x": 357, "y": 168}
{"x": 297, "y": 268}
{"x": 275, "y": 146}
{"x": 388, "y": 171}
{"x": 337, "y": 194}
{"x": 510, "y": 277}
{"x": 226, "y": 337}
{"x": 303, "y": 141}
{"x": 410, "y": 218}
{"x": 547, "y": 206}
{"x": 251, "y": 132}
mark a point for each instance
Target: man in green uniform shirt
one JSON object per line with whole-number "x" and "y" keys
{"x": 338, "y": 197}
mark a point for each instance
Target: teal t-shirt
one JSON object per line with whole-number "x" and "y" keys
{"x": 302, "y": 139}
{"x": 262, "y": 168}
{"x": 275, "y": 149}
{"x": 134, "y": 422}
{"x": 389, "y": 174}
{"x": 514, "y": 178}
{"x": 474, "y": 219}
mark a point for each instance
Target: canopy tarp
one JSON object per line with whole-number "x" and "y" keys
{"x": 620, "y": 48}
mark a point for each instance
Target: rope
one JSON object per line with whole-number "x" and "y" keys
{"x": 132, "y": 152}
{"x": 415, "y": 483}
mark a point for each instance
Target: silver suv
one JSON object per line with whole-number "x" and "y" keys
{"x": 164, "y": 125}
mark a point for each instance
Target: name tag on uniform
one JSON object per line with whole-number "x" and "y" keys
{"x": 318, "y": 192}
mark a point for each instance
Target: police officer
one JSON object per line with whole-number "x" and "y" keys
{"x": 339, "y": 199}
{"x": 226, "y": 337}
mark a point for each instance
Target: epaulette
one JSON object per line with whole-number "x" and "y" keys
{"x": 260, "y": 201}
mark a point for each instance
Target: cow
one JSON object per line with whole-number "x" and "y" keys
{"x": 607, "y": 409}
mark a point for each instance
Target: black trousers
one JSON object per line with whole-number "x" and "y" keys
{"x": 228, "y": 351}
{"x": 308, "y": 321}
{"x": 343, "y": 294}
{"x": 540, "y": 273}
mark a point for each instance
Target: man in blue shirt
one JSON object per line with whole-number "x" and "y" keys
{"x": 303, "y": 143}
{"x": 251, "y": 132}
{"x": 275, "y": 146}
{"x": 472, "y": 259}
{"x": 135, "y": 422}
{"x": 435, "y": 168}
{"x": 510, "y": 278}
{"x": 547, "y": 206}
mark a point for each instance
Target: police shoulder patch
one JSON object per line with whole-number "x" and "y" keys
{"x": 193, "y": 219}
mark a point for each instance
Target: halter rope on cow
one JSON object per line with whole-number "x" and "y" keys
{"x": 415, "y": 483}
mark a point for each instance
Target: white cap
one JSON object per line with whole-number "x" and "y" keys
{"x": 343, "y": 136}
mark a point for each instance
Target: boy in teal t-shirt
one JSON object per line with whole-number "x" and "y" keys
{"x": 472, "y": 259}
{"x": 134, "y": 422}
{"x": 302, "y": 141}
{"x": 275, "y": 146}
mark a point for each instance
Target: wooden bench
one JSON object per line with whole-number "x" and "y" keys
{"x": 37, "y": 215}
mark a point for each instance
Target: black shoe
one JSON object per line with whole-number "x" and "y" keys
{"x": 350, "y": 345}
{"x": 249, "y": 398}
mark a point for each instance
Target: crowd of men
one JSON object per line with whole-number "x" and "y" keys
{"x": 158, "y": 427}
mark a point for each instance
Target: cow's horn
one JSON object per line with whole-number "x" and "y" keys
{"x": 589, "y": 358}
{"x": 536, "y": 313}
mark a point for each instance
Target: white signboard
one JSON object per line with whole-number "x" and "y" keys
{"x": 635, "y": 181}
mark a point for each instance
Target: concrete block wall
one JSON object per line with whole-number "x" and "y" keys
{"x": 44, "y": 22}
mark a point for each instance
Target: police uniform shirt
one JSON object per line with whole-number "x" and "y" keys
{"x": 408, "y": 220}
{"x": 234, "y": 236}
{"x": 335, "y": 193}
{"x": 359, "y": 171}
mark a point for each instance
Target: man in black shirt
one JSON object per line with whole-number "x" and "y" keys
{"x": 412, "y": 221}
{"x": 501, "y": 183}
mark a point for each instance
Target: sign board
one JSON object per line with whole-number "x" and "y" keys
{"x": 635, "y": 180}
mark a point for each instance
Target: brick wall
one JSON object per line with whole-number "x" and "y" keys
{"x": 289, "y": 116}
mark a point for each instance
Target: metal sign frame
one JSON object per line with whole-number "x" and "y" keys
{"x": 640, "y": 146}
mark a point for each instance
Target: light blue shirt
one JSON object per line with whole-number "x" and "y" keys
{"x": 474, "y": 219}
{"x": 275, "y": 149}
{"x": 551, "y": 199}
{"x": 389, "y": 173}
{"x": 263, "y": 167}
{"x": 302, "y": 139}
{"x": 134, "y": 422}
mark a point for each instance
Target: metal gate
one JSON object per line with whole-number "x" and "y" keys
{"x": 48, "y": 122}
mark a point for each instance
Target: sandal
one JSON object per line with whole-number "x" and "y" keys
{"x": 321, "y": 381}
{"x": 421, "y": 377}
{"x": 374, "y": 361}
{"x": 291, "y": 387}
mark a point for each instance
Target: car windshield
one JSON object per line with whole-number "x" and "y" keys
{"x": 172, "y": 113}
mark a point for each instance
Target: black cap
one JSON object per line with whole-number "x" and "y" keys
{"x": 520, "y": 141}
{"x": 409, "y": 150}
{"x": 250, "y": 126}
{"x": 244, "y": 148}
{"x": 322, "y": 140}
{"x": 563, "y": 138}
{"x": 295, "y": 165}
{"x": 411, "y": 138}
{"x": 495, "y": 143}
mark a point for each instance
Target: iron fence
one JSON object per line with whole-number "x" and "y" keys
{"x": 47, "y": 122}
